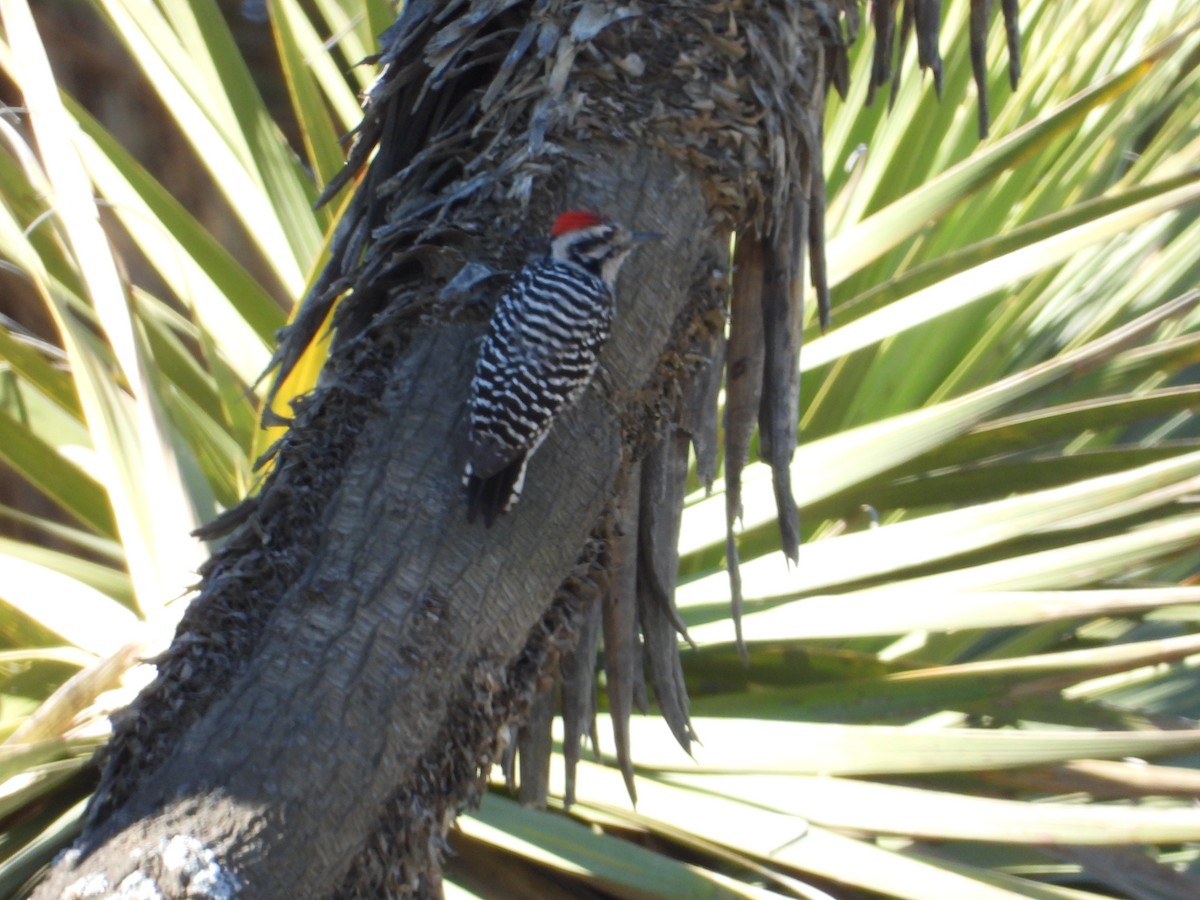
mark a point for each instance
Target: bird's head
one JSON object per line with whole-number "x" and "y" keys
{"x": 594, "y": 242}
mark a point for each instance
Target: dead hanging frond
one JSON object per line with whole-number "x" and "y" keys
{"x": 578, "y": 697}
{"x": 744, "y": 357}
{"x": 421, "y": 122}
{"x": 619, "y": 618}
{"x": 924, "y": 18}
{"x": 663, "y": 483}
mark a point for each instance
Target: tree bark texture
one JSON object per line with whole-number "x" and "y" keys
{"x": 358, "y": 654}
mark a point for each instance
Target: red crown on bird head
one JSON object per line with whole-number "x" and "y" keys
{"x": 574, "y": 220}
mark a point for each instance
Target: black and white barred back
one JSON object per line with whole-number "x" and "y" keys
{"x": 540, "y": 351}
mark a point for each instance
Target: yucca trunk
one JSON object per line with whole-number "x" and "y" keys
{"x": 359, "y": 652}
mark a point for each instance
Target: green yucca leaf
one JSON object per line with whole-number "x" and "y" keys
{"x": 111, "y": 581}
{"x": 353, "y": 29}
{"x": 992, "y": 247}
{"x": 132, "y": 444}
{"x": 31, "y": 360}
{"x": 901, "y": 608}
{"x": 60, "y": 480}
{"x": 848, "y": 559}
{"x": 804, "y": 750}
{"x": 82, "y": 615}
{"x": 212, "y": 97}
{"x": 982, "y": 280}
{"x": 785, "y": 839}
{"x": 603, "y": 863}
{"x": 225, "y": 298}
{"x": 298, "y": 43}
{"x": 888, "y": 809}
{"x": 854, "y": 247}
{"x": 32, "y": 850}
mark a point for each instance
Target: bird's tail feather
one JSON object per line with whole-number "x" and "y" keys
{"x": 491, "y": 496}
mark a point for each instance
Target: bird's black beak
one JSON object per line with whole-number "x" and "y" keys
{"x": 639, "y": 236}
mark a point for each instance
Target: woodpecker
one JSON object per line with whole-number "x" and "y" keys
{"x": 539, "y": 353}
